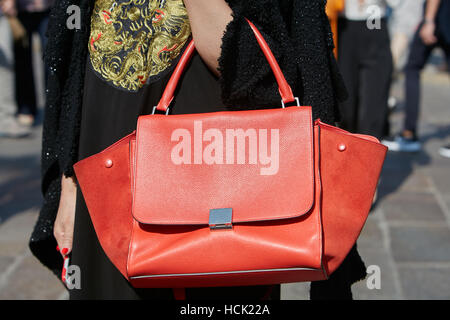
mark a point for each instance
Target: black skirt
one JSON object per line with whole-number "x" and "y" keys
{"x": 109, "y": 114}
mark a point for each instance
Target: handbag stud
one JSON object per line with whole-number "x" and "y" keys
{"x": 342, "y": 147}
{"x": 108, "y": 163}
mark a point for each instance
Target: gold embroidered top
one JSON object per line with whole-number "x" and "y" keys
{"x": 132, "y": 41}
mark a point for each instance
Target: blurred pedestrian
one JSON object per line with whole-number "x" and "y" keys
{"x": 404, "y": 21}
{"x": 9, "y": 126}
{"x": 365, "y": 61}
{"x": 434, "y": 31}
{"x": 33, "y": 14}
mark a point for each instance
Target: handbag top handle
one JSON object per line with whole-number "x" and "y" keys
{"x": 283, "y": 87}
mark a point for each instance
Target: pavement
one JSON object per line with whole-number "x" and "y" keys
{"x": 406, "y": 237}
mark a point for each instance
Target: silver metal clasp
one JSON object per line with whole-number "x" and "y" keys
{"x": 220, "y": 218}
{"x": 296, "y": 100}
{"x": 154, "y": 110}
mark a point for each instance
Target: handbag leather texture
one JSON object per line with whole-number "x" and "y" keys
{"x": 230, "y": 198}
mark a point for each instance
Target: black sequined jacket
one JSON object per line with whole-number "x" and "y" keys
{"x": 299, "y": 35}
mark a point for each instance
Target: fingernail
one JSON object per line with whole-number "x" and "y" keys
{"x": 64, "y": 251}
{"x": 57, "y": 248}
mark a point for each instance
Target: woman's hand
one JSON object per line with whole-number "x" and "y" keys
{"x": 208, "y": 19}
{"x": 427, "y": 33}
{"x": 8, "y": 7}
{"x": 64, "y": 223}
{"x": 429, "y": 27}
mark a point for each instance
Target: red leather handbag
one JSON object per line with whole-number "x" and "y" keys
{"x": 237, "y": 198}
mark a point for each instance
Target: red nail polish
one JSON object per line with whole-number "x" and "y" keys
{"x": 57, "y": 248}
{"x": 64, "y": 251}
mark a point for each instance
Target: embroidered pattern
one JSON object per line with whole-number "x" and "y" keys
{"x": 132, "y": 41}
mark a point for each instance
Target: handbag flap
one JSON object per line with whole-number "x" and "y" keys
{"x": 259, "y": 163}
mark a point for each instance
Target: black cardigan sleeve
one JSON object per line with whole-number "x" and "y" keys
{"x": 64, "y": 56}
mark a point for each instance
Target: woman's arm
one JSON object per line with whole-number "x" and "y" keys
{"x": 208, "y": 19}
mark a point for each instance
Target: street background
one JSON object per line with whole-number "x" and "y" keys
{"x": 407, "y": 233}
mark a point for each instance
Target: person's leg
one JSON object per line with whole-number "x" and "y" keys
{"x": 42, "y": 29}
{"x": 376, "y": 73}
{"x": 399, "y": 46}
{"x": 407, "y": 140}
{"x": 9, "y": 127}
{"x": 348, "y": 66}
{"x": 445, "y": 150}
{"x": 25, "y": 87}
{"x": 418, "y": 56}
{"x": 7, "y": 103}
{"x": 446, "y": 48}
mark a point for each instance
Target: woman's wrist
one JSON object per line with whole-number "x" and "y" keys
{"x": 68, "y": 184}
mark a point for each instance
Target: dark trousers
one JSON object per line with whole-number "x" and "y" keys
{"x": 418, "y": 56}
{"x": 365, "y": 61}
{"x": 25, "y": 86}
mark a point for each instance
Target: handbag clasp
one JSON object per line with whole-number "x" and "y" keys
{"x": 220, "y": 218}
